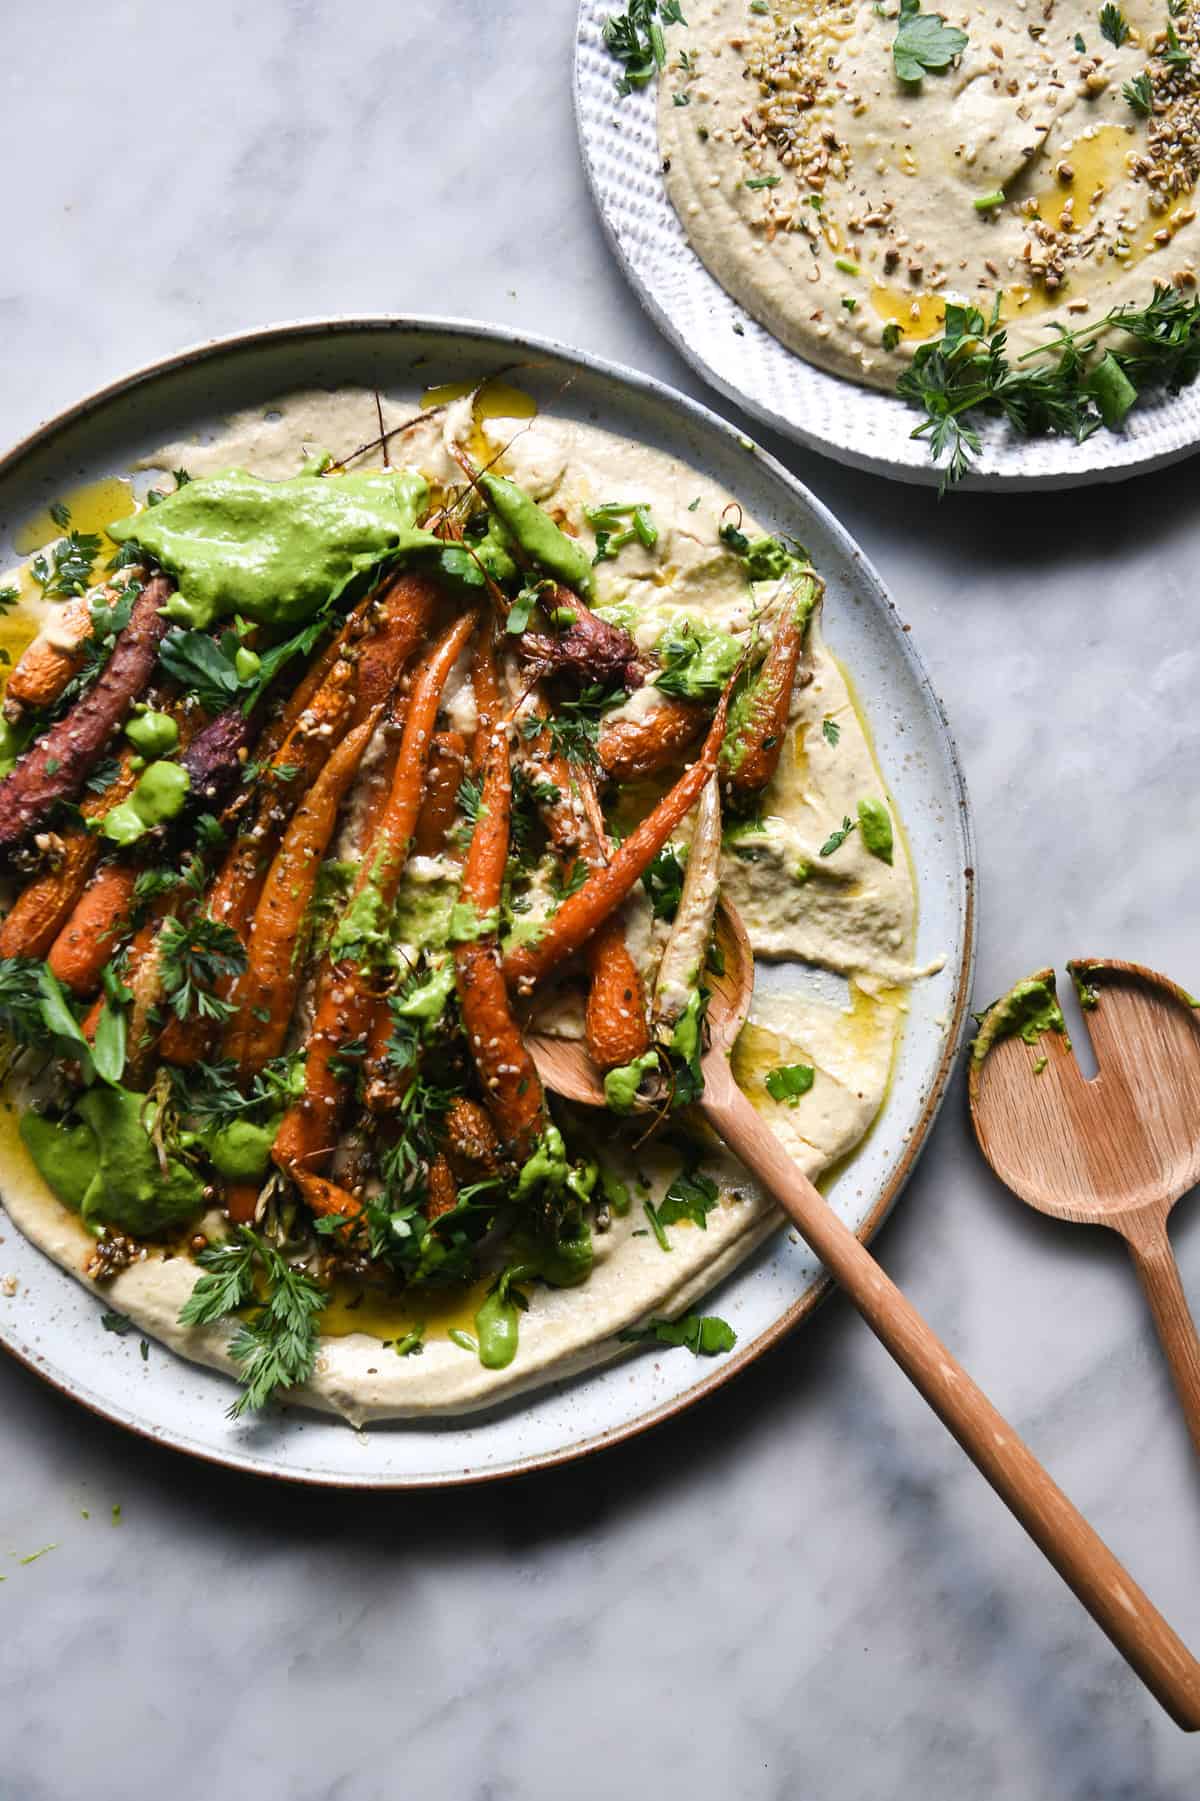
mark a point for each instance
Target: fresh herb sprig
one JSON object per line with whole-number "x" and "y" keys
{"x": 276, "y": 1343}
{"x": 635, "y": 38}
{"x": 574, "y": 727}
{"x": 67, "y": 569}
{"x": 194, "y": 957}
{"x": 1070, "y": 386}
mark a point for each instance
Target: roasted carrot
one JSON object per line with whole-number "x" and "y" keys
{"x": 441, "y": 1190}
{"x": 565, "y": 819}
{"x": 512, "y": 1090}
{"x": 447, "y": 761}
{"x": 631, "y": 748}
{"x": 398, "y": 624}
{"x": 346, "y": 1003}
{"x": 86, "y": 942}
{"x": 471, "y": 1143}
{"x": 750, "y": 755}
{"x": 327, "y": 1200}
{"x": 615, "y": 1018}
{"x": 140, "y": 972}
{"x": 294, "y": 751}
{"x": 55, "y": 655}
{"x": 55, "y": 767}
{"x": 585, "y": 911}
{"x": 489, "y": 697}
{"x": 44, "y": 906}
{"x": 241, "y": 1202}
{"x": 268, "y": 988}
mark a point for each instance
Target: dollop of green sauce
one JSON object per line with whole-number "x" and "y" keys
{"x": 241, "y": 1151}
{"x": 422, "y": 912}
{"x": 152, "y": 734}
{"x": 364, "y": 929}
{"x": 427, "y": 1001}
{"x": 1027, "y": 1011}
{"x": 697, "y": 659}
{"x": 106, "y": 1168}
{"x": 497, "y": 1328}
{"x": 621, "y": 1085}
{"x": 875, "y": 824}
{"x": 467, "y": 923}
{"x": 534, "y": 532}
{"x": 685, "y": 1037}
{"x": 276, "y": 551}
{"x": 547, "y": 1163}
{"x": 159, "y": 795}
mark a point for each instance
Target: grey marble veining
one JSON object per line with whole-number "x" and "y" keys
{"x": 801, "y": 1589}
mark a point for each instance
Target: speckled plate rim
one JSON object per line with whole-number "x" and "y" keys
{"x": 865, "y": 428}
{"x": 960, "y": 829}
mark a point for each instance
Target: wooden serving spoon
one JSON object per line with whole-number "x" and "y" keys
{"x": 1118, "y": 1150}
{"x": 1081, "y": 1557}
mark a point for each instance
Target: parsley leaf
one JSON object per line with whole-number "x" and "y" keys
{"x": 68, "y": 569}
{"x": 691, "y": 1196}
{"x": 1139, "y": 93}
{"x": 703, "y": 1334}
{"x": 837, "y": 838}
{"x": 203, "y": 666}
{"x": 574, "y": 726}
{"x": 635, "y": 38}
{"x": 831, "y": 731}
{"x": 663, "y": 881}
{"x": 194, "y": 957}
{"x": 788, "y": 1081}
{"x": 1113, "y": 25}
{"x": 924, "y": 42}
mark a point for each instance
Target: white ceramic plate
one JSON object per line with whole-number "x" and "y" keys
{"x": 861, "y": 426}
{"x": 52, "y": 1324}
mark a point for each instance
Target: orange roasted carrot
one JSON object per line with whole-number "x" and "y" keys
{"x": 471, "y": 1142}
{"x": 398, "y": 625}
{"x": 512, "y": 1089}
{"x": 241, "y": 1202}
{"x": 750, "y": 754}
{"x": 615, "y": 1018}
{"x": 345, "y": 1001}
{"x": 441, "y": 1190}
{"x": 585, "y": 911}
{"x": 268, "y": 988}
{"x": 295, "y": 751}
{"x": 489, "y": 697}
{"x": 56, "y": 654}
{"x": 139, "y": 971}
{"x": 86, "y": 942}
{"x": 631, "y": 748}
{"x": 447, "y": 761}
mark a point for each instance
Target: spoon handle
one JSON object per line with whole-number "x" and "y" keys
{"x": 1154, "y": 1261}
{"x": 1079, "y": 1555}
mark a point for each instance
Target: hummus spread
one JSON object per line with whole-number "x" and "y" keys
{"x": 809, "y": 871}
{"x": 1049, "y": 166}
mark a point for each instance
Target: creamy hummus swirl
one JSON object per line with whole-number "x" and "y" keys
{"x": 1047, "y": 167}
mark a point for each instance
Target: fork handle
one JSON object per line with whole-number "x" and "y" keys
{"x": 1080, "y": 1556}
{"x": 1146, "y": 1235}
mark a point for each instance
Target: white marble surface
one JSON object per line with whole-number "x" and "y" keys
{"x": 802, "y": 1589}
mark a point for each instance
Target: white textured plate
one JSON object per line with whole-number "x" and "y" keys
{"x": 861, "y": 426}
{"x": 53, "y": 1324}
